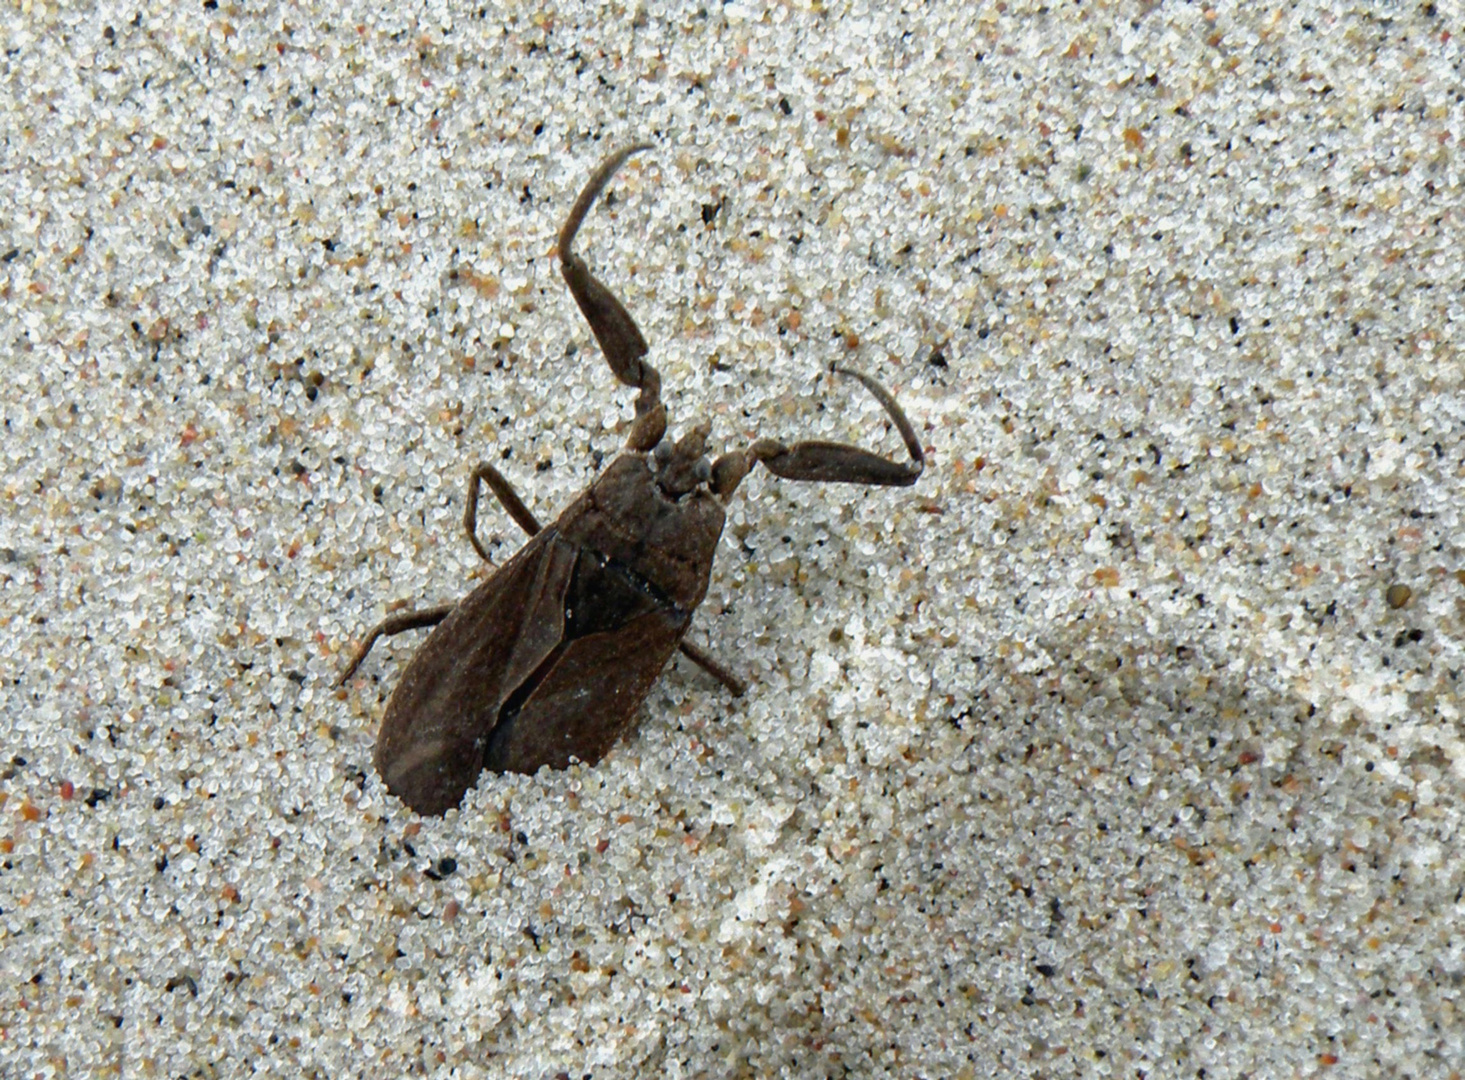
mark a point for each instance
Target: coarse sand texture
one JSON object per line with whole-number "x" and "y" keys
{"x": 1127, "y": 742}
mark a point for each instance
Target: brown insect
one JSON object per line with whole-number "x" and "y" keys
{"x": 550, "y": 658}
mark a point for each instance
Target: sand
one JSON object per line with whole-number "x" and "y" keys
{"x": 1126, "y": 743}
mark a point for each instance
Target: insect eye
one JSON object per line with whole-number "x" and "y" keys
{"x": 702, "y": 471}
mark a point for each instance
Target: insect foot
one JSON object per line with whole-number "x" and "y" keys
{"x": 550, "y": 658}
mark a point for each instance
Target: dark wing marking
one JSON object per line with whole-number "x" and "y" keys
{"x": 430, "y": 749}
{"x": 619, "y": 631}
{"x": 587, "y": 695}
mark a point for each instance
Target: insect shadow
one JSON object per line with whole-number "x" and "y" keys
{"x": 550, "y": 657}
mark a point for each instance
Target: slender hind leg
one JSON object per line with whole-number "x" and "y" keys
{"x": 416, "y": 620}
{"x": 707, "y": 663}
{"x": 508, "y": 498}
{"x": 827, "y": 462}
{"x": 394, "y": 624}
{"x": 619, "y": 337}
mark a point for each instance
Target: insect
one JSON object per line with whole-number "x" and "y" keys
{"x": 550, "y": 657}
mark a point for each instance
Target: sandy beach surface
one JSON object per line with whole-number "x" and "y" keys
{"x": 1126, "y": 743}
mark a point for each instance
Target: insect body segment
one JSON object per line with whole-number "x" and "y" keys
{"x": 550, "y": 658}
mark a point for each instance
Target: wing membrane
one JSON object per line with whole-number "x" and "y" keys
{"x": 448, "y": 702}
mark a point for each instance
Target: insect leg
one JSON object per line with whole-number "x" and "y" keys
{"x": 705, "y": 661}
{"x": 828, "y": 462}
{"x": 394, "y": 624}
{"x": 508, "y": 498}
{"x": 619, "y": 337}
